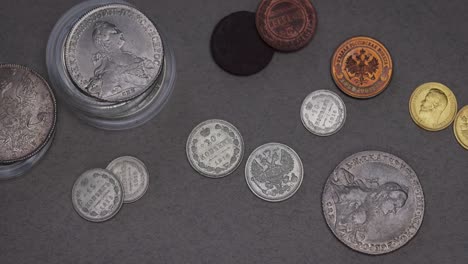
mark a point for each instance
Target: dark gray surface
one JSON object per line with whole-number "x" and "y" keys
{"x": 187, "y": 218}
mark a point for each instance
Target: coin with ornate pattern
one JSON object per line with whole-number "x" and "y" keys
{"x": 460, "y": 127}
{"x": 133, "y": 176}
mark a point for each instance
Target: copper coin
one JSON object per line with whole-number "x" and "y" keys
{"x": 362, "y": 67}
{"x": 286, "y": 25}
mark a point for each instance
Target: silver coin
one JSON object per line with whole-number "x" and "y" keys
{"x": 323, "y": 112}
{"x": 373, "y": 202}
{"x": 274, "y": 172}
{"x": 114, "y": 53}
{"x": 215, "y": 148}
{"x": 27, "y": 113}
{"x": 97, "y": 195}
{"x": 133, "y": 177}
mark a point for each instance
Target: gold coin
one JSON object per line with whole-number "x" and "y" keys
{"x": 433, "y": 106}
{"x": 460, "y": 127}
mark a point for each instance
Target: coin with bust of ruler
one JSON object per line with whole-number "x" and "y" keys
{"x": 114, "y": 53}
{"x": 132, "y": 174}
{"x": 97, "y": 195}
{"x": 460, "y": 127}
{"x": 323, "y": 112}
{"x": 373, "y": 202}
{"x": 274, "y": 172}
{"x": 215, "y": 148}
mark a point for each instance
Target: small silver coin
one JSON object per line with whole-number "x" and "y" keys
{"x": 373, "y": 202}
{"x": 114, "y": 53}
{"x": 27, "y": 113}
{"x": 323, "y": 113}
{"x": 133, "y": 177}
{"x": 215, "y": 148}
{"x": 274, "y": 172}
{"x": 97, "y": 195}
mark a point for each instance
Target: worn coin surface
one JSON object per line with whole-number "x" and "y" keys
{"x": 97, "y": 195}
{"x": 274, "y": 172}
{"x": 460, "y": 127}
{"x": 215, "y": 148}
{"x": 114, "y": 53}
{"x": 433, "y": 106}
{"x": 286, "y": 25}
{"x": 27, "y": 113}
{"x": 373, "y": 202}
{"x": 362, "y": 67}
{"x": 133, "y": 177}
{"x": 323, "y": 112}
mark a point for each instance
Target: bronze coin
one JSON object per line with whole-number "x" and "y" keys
{"x": 362, "y": 67}
{"x": 286, "y": 25}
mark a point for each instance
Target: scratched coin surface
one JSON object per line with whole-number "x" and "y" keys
{"x": 114, "y": 53}
{"x": 362, "y": 67}
{"x": 286, "y": 25}
{"x": 433, "y": 106}
{"x": 323, "y": 112}
{"x": 373, "y": 202}
{"x": 97, "y": 195}
{"x": 133, "y": 177}
{"x": 215, "y": 148}
{"x": 460, "y": 127}
{"x": 274, "y": 172}
{"x": 27, "y": 113}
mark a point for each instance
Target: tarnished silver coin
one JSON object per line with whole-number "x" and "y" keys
{"x": 373, "y": 202}
{"x": 215, "y": 148}
{"x": 114, "y": 53}
{"x": 274, "y": 172}
{"x": 323, "y": 113}
{"x": 133, "y": 177}
{"x": 97, "y": 195}
{"x": 27, "y": 113}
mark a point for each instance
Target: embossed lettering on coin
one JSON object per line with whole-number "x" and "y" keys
{"x": 133, "y": 176}
{"x": 215, "y": 148}
{"x": 97, "y": 195}
{"x": 274, "y": 172}
{"x": 373, "y": 202}
{"x": 114, "y": 53}
{"x": 27, "y": 113}
{"x": 323, "y": 112}
{"x": 460, "y": 127}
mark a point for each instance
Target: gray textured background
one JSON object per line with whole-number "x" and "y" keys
{"x": 187, "y": 218}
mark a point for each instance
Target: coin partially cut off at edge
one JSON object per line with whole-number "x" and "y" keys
{"x": 133, "y": 176}
{"x": 460, "y": 127}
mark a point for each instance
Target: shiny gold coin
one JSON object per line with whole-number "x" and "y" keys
{"x": 460, "y": 127}
{"x": 433, "y": 106}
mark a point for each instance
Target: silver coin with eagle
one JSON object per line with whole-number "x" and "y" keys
{"x": 274, "y": 172}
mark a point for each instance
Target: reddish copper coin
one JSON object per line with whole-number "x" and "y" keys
{"x": 362, "y": 67}
{"x": 286, "y": 25}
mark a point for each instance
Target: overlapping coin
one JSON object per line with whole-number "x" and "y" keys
{"x": 132, "y": 174}
{"x": 323, "y": 112}
{"x": 274, "y": 172}
{"x": 373, "y": 202}
{"x": 460, "y": 127}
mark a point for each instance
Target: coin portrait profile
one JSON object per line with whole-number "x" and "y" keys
{"x": 433, "y": 106}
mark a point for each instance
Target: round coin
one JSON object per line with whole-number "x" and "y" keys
{"x": 274, "y": 172}
{"x": 97, "y": 195}
{"x": 114, "y": 53}
{"x": 373, "y": 202}
{"x": 433, "y": 106}
{"x": 237, "y": 47}
{"x": 133, "y": 176}
{"x": 460, "y": 127}
{"x": 215, "y": 148}
{"x": 362, "y": 67}
{"x": 286, "y": 25}
{"x": 27, "y": 113}
{"x": 323, "y": 112}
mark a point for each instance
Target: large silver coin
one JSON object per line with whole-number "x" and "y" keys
{"x": 114, "y": 53}
{"x": 323, "y": 112}
{"x": 215, "y": 148}
{"x": 373, "y": 202}
{"x": 133, "y": 176}
{"x": 97, "y": 195}
{"x": 27, "y": 113}
{"x": 274, "y": 172}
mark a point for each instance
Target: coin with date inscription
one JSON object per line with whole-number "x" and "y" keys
{"x": 133, "y": 176}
